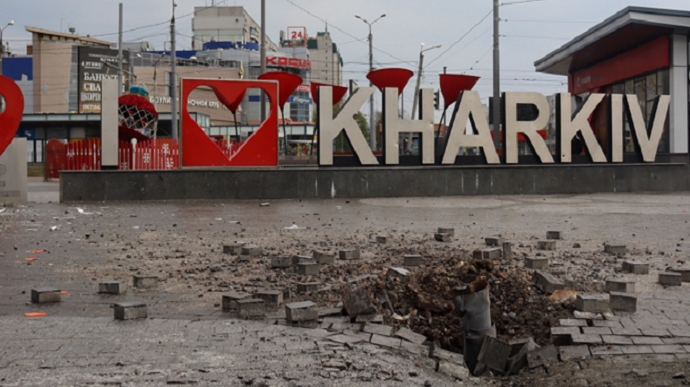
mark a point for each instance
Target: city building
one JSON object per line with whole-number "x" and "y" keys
{"x": 226, "y": 24}
{"x": 327, "y": 64}
{"x": 641, "y": 51}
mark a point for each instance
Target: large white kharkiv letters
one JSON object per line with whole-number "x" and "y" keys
{"x": 568, "y": 127}
{"x": 393, "y": 125}
{"x": 648, "y": 143}
{"x": 616, "y": 127}
{"x": 469, "y": 107}
{"x": 330, "y": 127}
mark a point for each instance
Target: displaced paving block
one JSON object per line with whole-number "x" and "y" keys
{"x": 507, "y": 250}
{"x": 252, "y": 250}
{"x": 493, "y": 241}
{"x": 517, "y": 344}
{"x": 230, "y": 300}
{"x": 492, "y": 253}
{"x": 251, "y": 308}
{"x": 383, "y": 330}
{"x": 112, "y": 287}
{"x": 585, "y": 339}
{"x": 307, "y": 287}
{"x": 670, "y": 279}
{"x": 684, "y": 273}
{"x": 349, "y": 254}
{"x": 357, "y": 302}
{"x": 635, "y": 267}
{"x": 280, "y": 262}
{"x": 546, "y": 245}
{"x": 323, "y": 258}
{"x": 145, "y": 281}
{"x": 454, "y": 370}
{"x": 446, "y": 230}
{"x": 542, "y": 356}
{"x": 547, "y": 283}
{"x": 297, "y": 259}
{"x": 45, "y": 295}
{"x": 436, "y": 352}
{"x": 287, "y": 293}
{"x": 536, "y": 263}
{"x": 615, "y": 249}
{"x": 412, "y": 260}
{"x": 271, "y": 298}
{"x": 407, "y": 334}
{"x": 571, "y": 322}
{"x": 415, "y": 349}
{"x": 518, "y": 361}
{"x": 382, "y": 239}
{"x": 442, "y": 237}
{"x": 391, "y": 342}
{"x": 620, "y": 285}
{"x": 308, "y": 268}
{"x": 233, "y": 248}
{"x": 370, "y": 319}
{"x": 574, "y": 352}
{"x": 301, "y": 311}
{"x": 397, "y": 272}
{"x": 130, "y": 310}
{"x": 561, "y": 335}
{"x": 595, "y": 303}
{"x": 554, "y": 235}
{"x": 495, "y": 354}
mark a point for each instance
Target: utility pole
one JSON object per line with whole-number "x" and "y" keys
{"x": 497, "y": 79}
{"x": 263, "y": 57}
{"x": 416, "y": 89}
{"x": 173, "y": 76}
{"x": 372, "y": 122}
{"x": 119, "y": 56}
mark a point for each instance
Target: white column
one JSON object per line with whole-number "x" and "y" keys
{"x": 13, "y": 181}
{"x": 109, "y": 134}
{"x": 678, "y": 77}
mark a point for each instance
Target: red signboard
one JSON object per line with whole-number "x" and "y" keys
{"x": 651, "y": 56}
{"x": 288, "y": 62}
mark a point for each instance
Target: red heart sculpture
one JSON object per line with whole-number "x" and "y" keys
{"x": 12, "y": 116}
{"x": 260, "y": 149}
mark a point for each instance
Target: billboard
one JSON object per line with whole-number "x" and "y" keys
{"x": 96, "y": 64}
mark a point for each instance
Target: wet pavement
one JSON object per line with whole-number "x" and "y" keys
{"x": 189, "y": 340}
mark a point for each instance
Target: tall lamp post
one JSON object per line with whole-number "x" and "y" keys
{"x": 173, "y": 75}
{"x": 372, "y": 129}
{"x": 2, "y": 47}
{"x": 416, "y": 89}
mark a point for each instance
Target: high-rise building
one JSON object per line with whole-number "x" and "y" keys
{"x": 226, "y": 24}
{"x": 326, "y": 62}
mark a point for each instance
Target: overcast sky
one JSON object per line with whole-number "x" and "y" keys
{"x": 529, "y": 30}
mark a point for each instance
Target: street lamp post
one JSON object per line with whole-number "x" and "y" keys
{"x": 416, "y": 89}
{"x": 372, "y": 129}
{"x": 497, "y": 78}
{"x": 2, "y": 47}
{"x": 173, "y": 75}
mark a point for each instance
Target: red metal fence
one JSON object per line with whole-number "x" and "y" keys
{"x": 85, "y": 154}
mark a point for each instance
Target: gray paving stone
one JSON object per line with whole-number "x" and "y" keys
{"x": 680, "y": 331}
{"x": 383, "y": 330}
{"x": 596, "y": 303}
{"x": 596, "y": 330}
{"x": 607, "y": 323}
{"x": 415, "y": 349}
{"x": 626, "y": 331}
{"x": 586, "y": 339}
{"x": 562, "y": 335}
{"x": 616, "y": 340}
{"x": 536, "y": 263}
{"x": 637, "y": 349}
{"x": 635, "y": 267}
{"x": 655, "y": 332}
{"x": 572, "y": 323}
{"x": 668, "y": 278}
{"x": 606, "y": 350}
{"x": 676, "y": 340}
{"x": 662, "y": 349}
{"x": 391, "y": 342}
{"x": 408, "y": 335}
{"x": 637, "y": 340}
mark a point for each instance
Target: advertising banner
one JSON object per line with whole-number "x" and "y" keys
{"x": 96, "y": 64}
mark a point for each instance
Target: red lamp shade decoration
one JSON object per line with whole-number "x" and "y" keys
{"x": 393, "y": 77}
{"x": 338, "y": 92}
{"x": 287, "y": 84}
{"x": 453, "y": 84}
